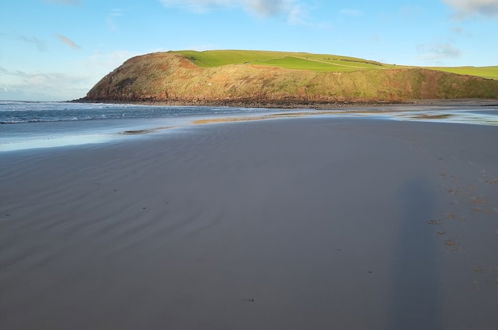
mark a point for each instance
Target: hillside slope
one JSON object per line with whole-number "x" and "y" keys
{"x": 490, "y": 72}
{"x": 249, "y": 77}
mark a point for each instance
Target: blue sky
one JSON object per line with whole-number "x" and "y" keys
{"x": 57, "y": 49}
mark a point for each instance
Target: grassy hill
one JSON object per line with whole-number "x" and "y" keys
{"x": 288, "y": 60}
{"x": 264, "y": 77}
{"x": 315, "y": 62}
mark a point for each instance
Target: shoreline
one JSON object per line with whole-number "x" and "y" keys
{"x": 300, "y": 105}
{"x": 82, "y": 132}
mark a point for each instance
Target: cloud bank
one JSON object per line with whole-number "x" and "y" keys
{"x": 262, "y": 8}
{"x": 466, "y": 8}
{"x": 55, "y": 86}
{"x": 17, "y": 84}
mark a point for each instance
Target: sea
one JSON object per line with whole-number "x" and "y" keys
{"x": 30, "y": 125}
{"x": 35, "y": 125}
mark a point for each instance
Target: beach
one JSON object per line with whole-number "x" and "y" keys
{"x": 299, "y": 223}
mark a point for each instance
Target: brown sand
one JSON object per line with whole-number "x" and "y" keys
{"x": 308, "y": 223}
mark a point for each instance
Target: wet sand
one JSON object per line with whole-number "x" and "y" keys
{"x": 305, "y": 223}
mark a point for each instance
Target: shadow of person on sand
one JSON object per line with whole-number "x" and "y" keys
{"x": 415, "y": 302}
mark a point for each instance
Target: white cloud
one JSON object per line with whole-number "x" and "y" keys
{"x": 465, "y": 8}
{"x": 438, "y": 52}
{"x": 66, "y": 41}
{"x": 113, "y": 17}
{"x": 40, "y": 45}
{"x": 262, "y": 8}
{"x": 30, "y": 40}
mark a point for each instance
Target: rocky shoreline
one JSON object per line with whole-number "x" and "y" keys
{"x": 297, "y": 105}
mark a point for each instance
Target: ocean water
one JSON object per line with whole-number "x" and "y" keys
{"x": 30, "y": 125}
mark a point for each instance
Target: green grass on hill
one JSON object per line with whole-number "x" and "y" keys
{"x": 313, "y": 62}
{"x": 289, "y": 60}
{"x": 490, "y": 72}
{"x": 304, "y": 64}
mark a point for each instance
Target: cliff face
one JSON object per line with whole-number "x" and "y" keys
{"x": 171, "y": 77}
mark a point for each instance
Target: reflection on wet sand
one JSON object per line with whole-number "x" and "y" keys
{"x": 432, "y": 116}
{"x": 146, "y": 131}
{"x": 458, "y": 116}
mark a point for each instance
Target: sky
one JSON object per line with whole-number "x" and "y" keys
{"x": 58, "y": 49}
